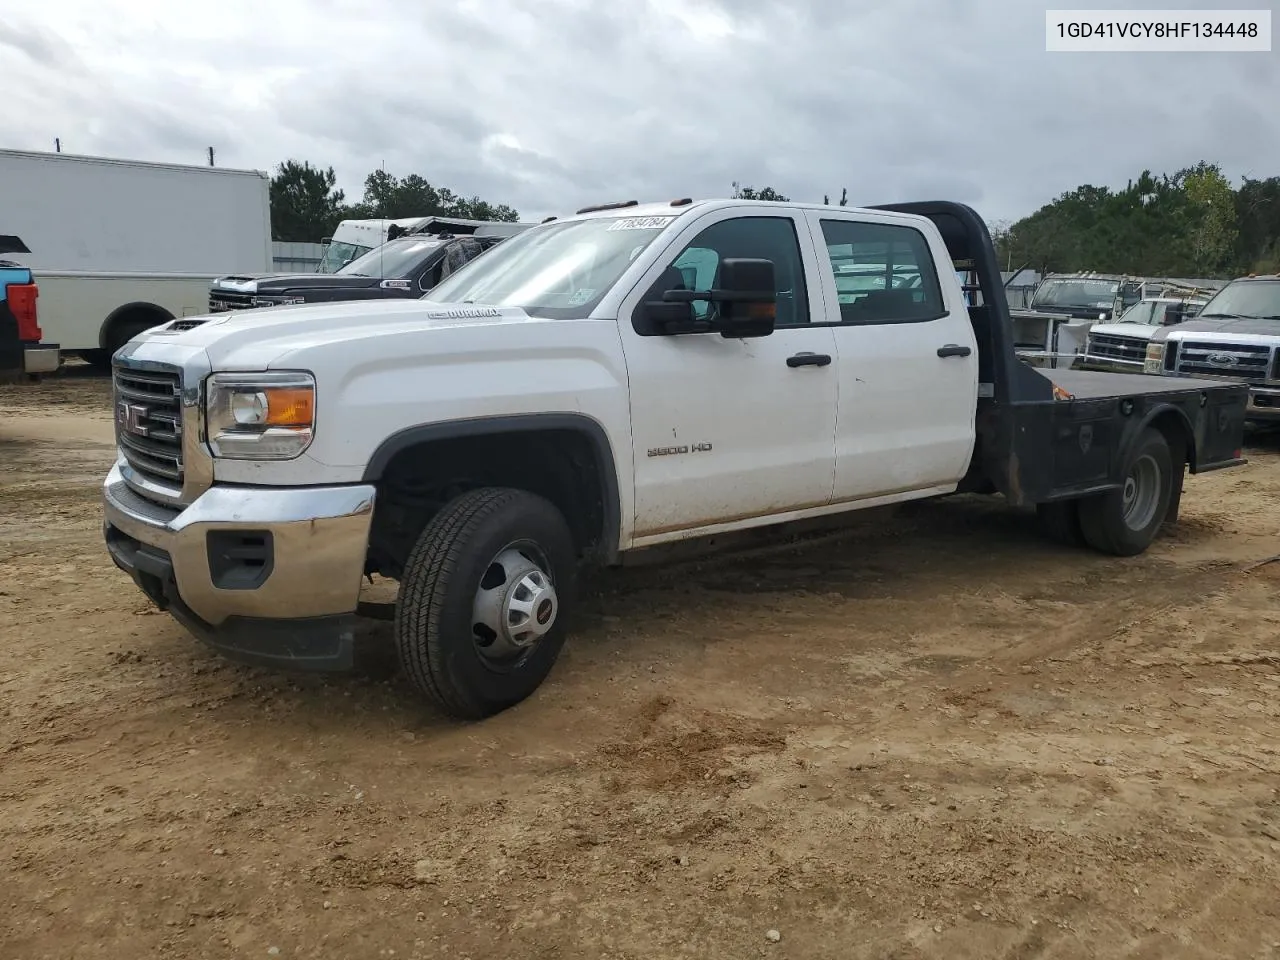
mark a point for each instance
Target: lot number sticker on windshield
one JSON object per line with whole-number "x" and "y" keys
{"x": 640, "y": 223}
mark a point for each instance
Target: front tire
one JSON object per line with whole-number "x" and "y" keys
{"x": 484, "y": 600}
{"x": 1124, "y": 522}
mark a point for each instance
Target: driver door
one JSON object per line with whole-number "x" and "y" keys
{"x": 731, "y": 431}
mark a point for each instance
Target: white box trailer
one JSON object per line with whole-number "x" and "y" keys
{"x": 118, "y": 246}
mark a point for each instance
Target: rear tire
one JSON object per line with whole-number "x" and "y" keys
{"x": 484, "y": 598}
{"x": 1124, "y": 522}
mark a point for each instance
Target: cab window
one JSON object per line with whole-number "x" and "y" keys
{"x": 883, "y": 273}
{"x": 767, "y": 238}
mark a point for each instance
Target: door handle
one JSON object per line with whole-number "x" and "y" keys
{"x": 954, "y": 350}
{"x": 808, "y": 360}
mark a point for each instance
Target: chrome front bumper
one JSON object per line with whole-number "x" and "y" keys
{"x": 304, "y": 568}
{"x": 40, "y": 358}
{"x": 1110, "y": 364}
{"x": 1264, "y": 404}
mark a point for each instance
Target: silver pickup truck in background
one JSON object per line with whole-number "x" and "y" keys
{"x": 1236, "y": 337}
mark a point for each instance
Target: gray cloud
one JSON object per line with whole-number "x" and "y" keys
{"x": 555, "y": 104}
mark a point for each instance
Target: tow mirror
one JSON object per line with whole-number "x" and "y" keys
{"x": 746, "y": 302}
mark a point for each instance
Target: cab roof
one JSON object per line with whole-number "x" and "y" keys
{"x": 676, "y": 208}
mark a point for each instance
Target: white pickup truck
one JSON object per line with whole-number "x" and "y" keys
{"x": 601, "y": 384}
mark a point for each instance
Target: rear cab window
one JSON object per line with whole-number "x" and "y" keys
{"x": 883, "y": 273}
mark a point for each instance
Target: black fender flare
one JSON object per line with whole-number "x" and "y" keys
{"x": 1155, "y": 413}
{"x": 137, "y": 306}
{"x": 580, "y": 423}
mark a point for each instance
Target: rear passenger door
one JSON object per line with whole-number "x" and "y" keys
{"x": 907, "y": 359}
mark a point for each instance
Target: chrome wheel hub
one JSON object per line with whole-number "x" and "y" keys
{"x": 515, "y": 606}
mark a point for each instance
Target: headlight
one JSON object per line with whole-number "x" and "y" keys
{"x": 260, "y": 416}
{"x": 1155, "y": 358}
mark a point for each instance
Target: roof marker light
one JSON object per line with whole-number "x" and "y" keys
{"x": 610, "y": 206}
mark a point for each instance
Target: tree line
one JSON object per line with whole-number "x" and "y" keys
{"x": 306, "y": 204}
{"x": 1192, "y": 223}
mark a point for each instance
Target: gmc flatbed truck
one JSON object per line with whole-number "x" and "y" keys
{"x": 602, "y": 384}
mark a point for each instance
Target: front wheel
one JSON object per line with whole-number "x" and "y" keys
{"x": 481, "y": 615}
{"x": 1124, "y": 522}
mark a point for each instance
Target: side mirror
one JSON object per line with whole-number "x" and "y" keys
{"x": 746, "y": 301}
{"x": 747, "y": 298}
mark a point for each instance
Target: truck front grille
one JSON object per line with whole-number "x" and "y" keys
{"x": 1238, "y": 361}
{"x": 220, "y": 301}
{"x": 148, "y": 414}
{"x": 1106, "y": 346}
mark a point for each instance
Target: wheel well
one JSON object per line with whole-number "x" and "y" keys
{"x": 1177, "y": 433}
{"x": 150, "y": 313}
{"x": 564, "y": 465}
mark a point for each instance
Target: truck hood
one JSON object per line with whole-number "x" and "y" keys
{"x": 256, "y": 339}
{"x": 12, "y": 244}
{"x": 1248, "y": 326}
{"x": 281, "y": 282}
{"x": 1139, "y": 331}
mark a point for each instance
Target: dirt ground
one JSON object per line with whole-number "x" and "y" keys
{"x": 940, "y": 736}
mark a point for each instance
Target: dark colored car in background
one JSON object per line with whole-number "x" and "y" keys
{"x": 404, "y": 267}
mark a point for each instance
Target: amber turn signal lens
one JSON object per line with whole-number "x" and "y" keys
{"x": 290, "y": 407}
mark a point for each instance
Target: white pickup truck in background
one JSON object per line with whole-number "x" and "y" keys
{"x": 121, "y": 245}
{"x": 618, "y": 380}
{"x": 1235, "y": 338}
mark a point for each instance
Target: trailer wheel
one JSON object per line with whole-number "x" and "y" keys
{"x": 481, "y": 615}
{"x": 1061, "y": 522}
{"x": 1124, "y": 522}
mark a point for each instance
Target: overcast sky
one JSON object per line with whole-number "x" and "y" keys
{"x": 552, "y": 104}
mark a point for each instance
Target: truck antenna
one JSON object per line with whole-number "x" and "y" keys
{"x": 57, "y": 144}
{"x": 211, "y": 156}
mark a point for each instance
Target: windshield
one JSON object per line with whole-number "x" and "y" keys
{"x": 559, "y": 270}
{"x": 1143, "y": 312}
{"x": 1246, "y": 298}
{"x": 337, "y": 253}
{"x": 1085, "y": 294}
{"x": 393, "y": 259}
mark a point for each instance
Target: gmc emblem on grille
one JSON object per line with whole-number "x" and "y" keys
{"x": 132, "y": 418}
